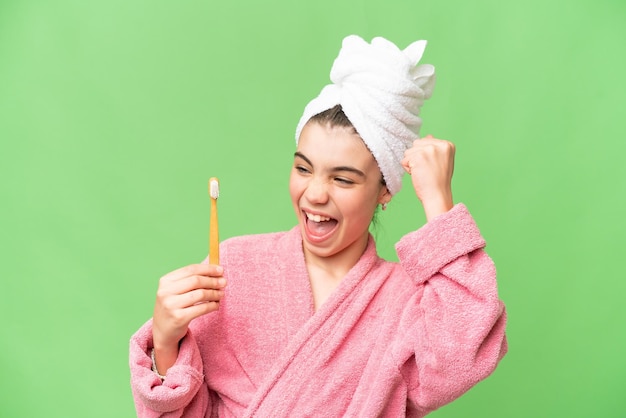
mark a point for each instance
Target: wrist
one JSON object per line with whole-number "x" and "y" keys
{"x": 163, "y": 358}
{"x": 437, "y": 206}
{"x": 155, "y": 369}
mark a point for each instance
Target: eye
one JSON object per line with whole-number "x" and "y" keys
{"x": 302, "y": 170}
{"x": 344, "y": 181}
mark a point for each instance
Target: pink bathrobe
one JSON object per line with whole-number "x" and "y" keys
{"x": 393, "y": 340}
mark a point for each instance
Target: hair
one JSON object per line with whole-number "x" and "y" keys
{"x": 335, "y": 118}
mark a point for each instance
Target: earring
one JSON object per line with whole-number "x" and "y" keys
{"x": 384, "y": 206}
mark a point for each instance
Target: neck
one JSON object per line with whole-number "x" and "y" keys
{"x": 336, "y": 266}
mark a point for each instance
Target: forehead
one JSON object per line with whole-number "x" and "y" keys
{"x": 334, "y": 146}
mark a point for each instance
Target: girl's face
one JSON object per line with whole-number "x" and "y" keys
{"x": 335, "y": 186}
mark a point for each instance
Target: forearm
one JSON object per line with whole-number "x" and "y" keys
{"x": 463, "y": 340}
{"x": 437, "y": 205}
{"x": 458, "y": 320}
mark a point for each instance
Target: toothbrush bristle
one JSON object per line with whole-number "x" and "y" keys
{"x": 214, "y": 188}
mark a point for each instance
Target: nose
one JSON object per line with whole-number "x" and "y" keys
{"x": 316, "y": 191}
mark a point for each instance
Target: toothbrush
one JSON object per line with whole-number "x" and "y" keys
{"x": 214, "y": 242}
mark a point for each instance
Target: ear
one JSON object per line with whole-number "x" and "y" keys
{"x": 384, "y": 196}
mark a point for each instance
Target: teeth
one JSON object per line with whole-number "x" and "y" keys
{"x": 317, "y": 218}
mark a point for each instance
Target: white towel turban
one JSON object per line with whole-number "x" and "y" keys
{"x": 380, "y": 89}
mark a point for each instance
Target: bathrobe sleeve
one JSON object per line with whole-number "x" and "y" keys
{"x": 183, "y": 393}
{"x": 453, "y": 334}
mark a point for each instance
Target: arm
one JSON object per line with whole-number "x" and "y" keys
{"x": 182, "y": 393}
{"x": 183, "y": 295}
{"x": 455, "y": 330}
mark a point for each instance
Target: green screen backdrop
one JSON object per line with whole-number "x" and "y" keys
{"x": 114, "y": 114}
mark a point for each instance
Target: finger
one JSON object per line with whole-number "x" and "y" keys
{"x": 173, "y": 303}
{"x": 432, "y": 149}
{"x": 188, "y": 284}
{"x": 194, "y": 269}
{"x": 406, "y": 164}
{"x": 411, "y": 154}
{"x": 191, "y": 277}
{"x": 202, "y": 309}
{"x": 200, "y": 296}
{"x": 425, "y": 139}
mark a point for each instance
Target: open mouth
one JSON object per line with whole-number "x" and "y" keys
{"x": 319, "y": 227}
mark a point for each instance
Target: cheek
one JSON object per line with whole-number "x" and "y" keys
{"x": 363, "y": 207}
{"x": 357, "y": 207}
{"x": 295, "y": 187}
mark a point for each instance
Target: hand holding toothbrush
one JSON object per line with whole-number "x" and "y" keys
{"x": 187, "y": 293}
{"x": 183, "y": 295}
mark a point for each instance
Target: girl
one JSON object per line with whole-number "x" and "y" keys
{"x": 311, "y": 322}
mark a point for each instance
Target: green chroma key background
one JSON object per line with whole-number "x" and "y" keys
{"x": 113, "y": 116}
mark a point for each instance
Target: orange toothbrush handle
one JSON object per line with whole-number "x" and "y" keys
{"x": 214, "y": 241}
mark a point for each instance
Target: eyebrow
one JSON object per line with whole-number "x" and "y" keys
{"x": 338, "y": 168}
